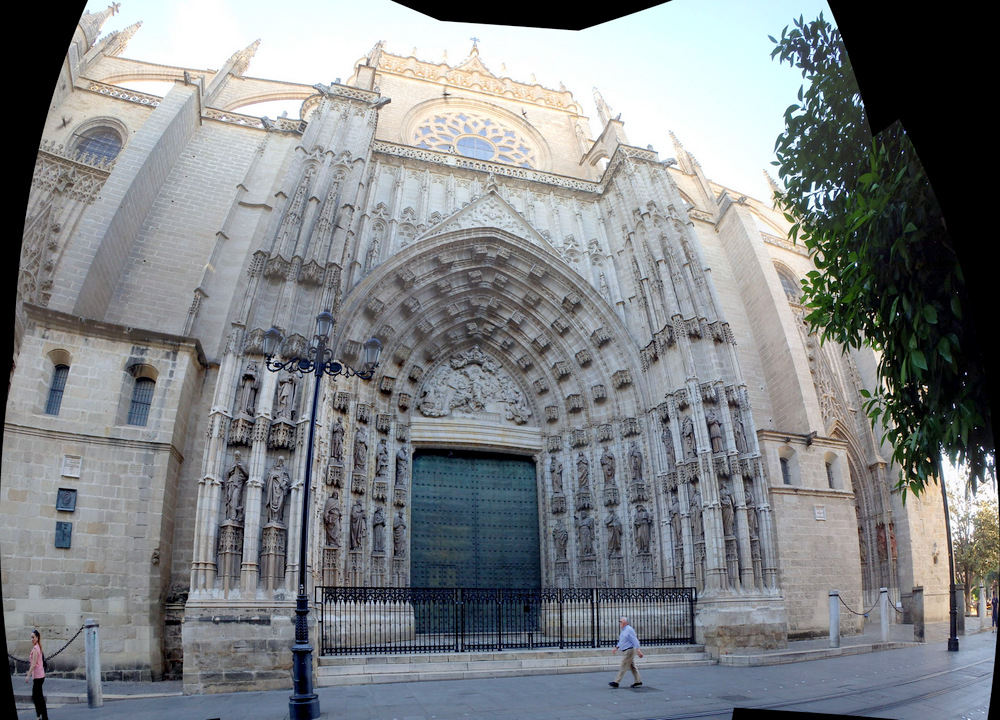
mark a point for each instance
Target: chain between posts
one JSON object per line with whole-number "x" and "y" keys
{"x": 857, "y": 613}
{"x": 46, "y": 658}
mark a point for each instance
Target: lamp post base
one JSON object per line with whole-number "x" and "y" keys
{"x": 303, "y": 704}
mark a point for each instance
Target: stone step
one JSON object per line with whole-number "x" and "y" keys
{"x": 374, "y": 669}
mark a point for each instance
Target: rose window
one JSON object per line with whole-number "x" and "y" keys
{"x": 474, "y": 136}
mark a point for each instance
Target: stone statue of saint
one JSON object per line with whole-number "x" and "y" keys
{"x": 643, "y": 523}
{"x": 359, "y": 526}
{"x": 557, "y": 478}
{"x": 286, "y": 394}
{"x": 668, "y": 444}
{"x": 378, "y": 531}
{"x": 331, "y": 521}
{"x": 726, "y": 503}
{"x": 739, "y": 432}
{"x": 583, "y": 470}
{"x": 585, "y": 529}
{"x": 635, "y": 461}
{"x": 360, "y": 450}
{"x": 751, "y": 513}
{"x": 249, "y": 384}
{"x": 675, "y": 520}
{"x": 608, "y": 465}
{"x": 714, "y": 431}
{"x": 278, "y": 483}
{"x": 614, "y": 526}
{"x": 561, "y": 538}
{"x": 235, "y": 481}
{"x": 399, "y": 535}
{"x": 696, "y": 509}
{"x": 687, "y": 435}
{"x": 402, "y": 464}
{"x": 337, "y": 442}
{"x": 381, "y": 460}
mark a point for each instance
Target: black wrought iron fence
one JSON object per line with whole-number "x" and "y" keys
{"x": 427, "y": 620}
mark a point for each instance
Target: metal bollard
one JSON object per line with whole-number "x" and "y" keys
{"x": 835, "y": 618}
{"x": 883, "y": 607}
{"x": 92, "y": 650}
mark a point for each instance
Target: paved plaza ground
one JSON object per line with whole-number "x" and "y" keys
{"x": 910, "y": 681}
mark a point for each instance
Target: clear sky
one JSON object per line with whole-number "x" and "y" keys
{"x": 699, "y": 68}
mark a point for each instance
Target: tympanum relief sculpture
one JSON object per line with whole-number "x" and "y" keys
{"x": 470, "y": 383}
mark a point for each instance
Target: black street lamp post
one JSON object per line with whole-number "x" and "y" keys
{"x": 303, "y": 704}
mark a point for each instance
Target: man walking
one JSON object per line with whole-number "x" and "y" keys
{"x": 628, "y": 643}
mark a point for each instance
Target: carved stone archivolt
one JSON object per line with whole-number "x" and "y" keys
{"x": 472, "y": 382}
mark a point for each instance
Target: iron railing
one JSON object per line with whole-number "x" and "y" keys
{"x": 357, "y": 621}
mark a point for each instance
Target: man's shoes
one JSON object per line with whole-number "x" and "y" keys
{"x": 636, "y": 684}
{"x": 613, "y": 684}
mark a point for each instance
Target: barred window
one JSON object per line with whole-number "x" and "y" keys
{"x": 142, "y": 399}
{"x": 56, "y": 389}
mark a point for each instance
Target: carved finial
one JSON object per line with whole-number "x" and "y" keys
{"x": 775, "y": 188}
{"x": 240, "y": 60}
{"x": 604, "y": 112}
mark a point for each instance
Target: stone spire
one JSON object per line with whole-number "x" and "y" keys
{"x": 775, "y": 188}
{"x": 91, "y": 23}
{"x": 235, "y": 66}
{"x": 686, "y": 160}
{"x": 240, "y": 60}
{"x": 116, "y": 41}
{"x": 611, "y": 124}
{"x": 604, "y": 111}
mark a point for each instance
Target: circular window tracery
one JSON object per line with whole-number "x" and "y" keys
{"x": 474, "y": 136}
{"x": 99, "y": 143}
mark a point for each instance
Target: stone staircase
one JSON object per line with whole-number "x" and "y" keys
{"x": 373, "y": 669}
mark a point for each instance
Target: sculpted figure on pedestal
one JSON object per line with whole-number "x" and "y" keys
{"x": 614, "y": 526}
{"x": 236, "y": 479}
{"x": 643, "y": 524}
{"x": 378, "y": 531}
{"x": 337, "y": 441}
{"x": 331, "y": 520}
{"x": 359, "y": 525}
{"x": 687, "y": 435}
{"x": 557, "y": 475}
{"x": 399, "y": 535}
{"x": 608, "y": 465}
{"x": 402, "y": 465}
{"x": 278, "y": 483}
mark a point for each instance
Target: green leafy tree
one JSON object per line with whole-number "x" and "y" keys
{"x": 986, "y": 541}
{"x": 887, "y": 274}
{"x": 975, "y": 537}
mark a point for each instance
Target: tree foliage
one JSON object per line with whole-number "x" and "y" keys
{"x": 975, "y": 534}
{"x": 887, "y": 274}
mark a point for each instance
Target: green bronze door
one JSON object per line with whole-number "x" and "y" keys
{"x": 475, "y": 521}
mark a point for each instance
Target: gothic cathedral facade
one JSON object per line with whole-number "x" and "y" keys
{"x": 629, "y": 327}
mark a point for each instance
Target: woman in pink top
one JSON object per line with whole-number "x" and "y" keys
{"x": 36, "y": 672}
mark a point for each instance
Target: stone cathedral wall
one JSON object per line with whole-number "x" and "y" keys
{"x": 621, "y": 307}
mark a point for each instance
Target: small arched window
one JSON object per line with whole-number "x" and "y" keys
{"x": 142, "y": 399}
{"x": 56, "y": 388}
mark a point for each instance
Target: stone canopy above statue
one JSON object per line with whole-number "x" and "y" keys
{"x": 472, "y": 384}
